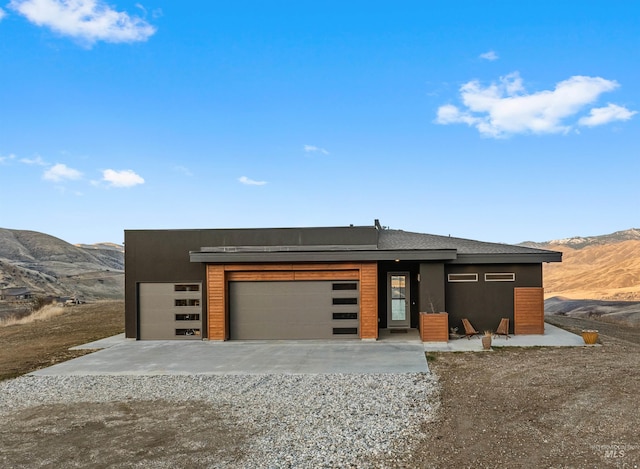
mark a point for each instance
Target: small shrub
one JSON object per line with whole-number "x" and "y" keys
{"x": 40, "y": 302}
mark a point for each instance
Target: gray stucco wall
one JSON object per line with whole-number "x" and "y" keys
{"x": 432, "y": 293}
{"x": 484, "y": 303}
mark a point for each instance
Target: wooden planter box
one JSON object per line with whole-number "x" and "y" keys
{"x": 590, "y": 336}
{"x": 434, "y": 327}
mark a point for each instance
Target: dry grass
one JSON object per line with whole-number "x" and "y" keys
{"x": 31, "y": 344}
{"x": 44, "y": 313}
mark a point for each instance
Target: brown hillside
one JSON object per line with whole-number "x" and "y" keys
{"x": 599, "y": 271}
{"x": 49, "y": 266}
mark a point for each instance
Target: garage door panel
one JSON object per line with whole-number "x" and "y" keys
{"x": 167, "y": 311}
{"x": 288, "y": 310}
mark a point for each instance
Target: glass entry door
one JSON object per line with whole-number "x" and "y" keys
{"x": 398, "y": 300}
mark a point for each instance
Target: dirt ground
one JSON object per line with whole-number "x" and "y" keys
{"x": 536, "y": 407}
{"x": 120, "y": 435}
{"x": 540, "y": 407}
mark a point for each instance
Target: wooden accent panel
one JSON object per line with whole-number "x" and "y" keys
{"x": 275, "y": 276}
{"x": 260, "y": 276}
{"x": 217, "y": 303}
{"x": 327, "y": 275}
{"x": 369, "y": 301}
{"x": 528, "y": 310}
{"x": 268, "y": 267}
{"x": 434, "y": 327}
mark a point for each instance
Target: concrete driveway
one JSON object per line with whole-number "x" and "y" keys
{"x": 169, "y": 357}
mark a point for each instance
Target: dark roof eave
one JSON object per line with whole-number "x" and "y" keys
{"x": 322, "y": 256}
{"x": 511, "y": 258}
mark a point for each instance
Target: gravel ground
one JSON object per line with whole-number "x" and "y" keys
{"x": 213, "y": 421}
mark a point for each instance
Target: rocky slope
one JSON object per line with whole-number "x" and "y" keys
{"x": 51, "y": 266}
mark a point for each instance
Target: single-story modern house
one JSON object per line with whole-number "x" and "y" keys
{"x": 322, "y": 283}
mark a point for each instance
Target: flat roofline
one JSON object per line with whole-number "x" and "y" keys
{"x": 322, "y": 256}
{"x": 509, "y": 258}
{"x": 292, "y": 248}
{"x": 449, "y": 256}
{"x": 274, "y": 228}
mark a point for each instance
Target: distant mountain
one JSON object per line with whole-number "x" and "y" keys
{"x": 51, "y": 266}
{"x": 106, "y": 246}
{"x": 578, "y": 242}
{"x": 603, "y": 267}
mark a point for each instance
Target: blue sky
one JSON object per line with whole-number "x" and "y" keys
{"x": 497, "y": 121}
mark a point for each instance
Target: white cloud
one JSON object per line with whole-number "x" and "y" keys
{"x": 60, "y": 172}
{"x": 505, "y": 108}
{"x": 87, "y": 20}
{"x": 38, "y": 161}
{"x": 604, "y": 115}
{"x": 251, "y": 182}
{"x": 5, "y": 159}
{"x": 490, "y": 55}
{"x": 314, "y": 149}
{"x": 124, "y": 178}
{"x": 2, "y": 14}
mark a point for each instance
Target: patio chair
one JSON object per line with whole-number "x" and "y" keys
{"x": 469, "y": 331}
{"x": 503, "y": 328}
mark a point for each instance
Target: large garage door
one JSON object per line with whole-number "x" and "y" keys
{"x": 294, "y": 309}
{"x": 170, "y": 310}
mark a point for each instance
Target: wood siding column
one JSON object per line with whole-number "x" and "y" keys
{"x": 369, "y": 301}
{"x": 434, "y": 327}
{"x": 528, "y": 310}
{"x": 217, "y": 303}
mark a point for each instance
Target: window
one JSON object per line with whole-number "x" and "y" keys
{"x": 463, "y": 277}
{"x": 345, "y": 286}
{"x": 345, "y": 301}
{"x": 183, "y": 302}
{"x": 187, "y": 331}
{"x": 499, "y": 277}
{"x": 345, "y": 315}
{"x": 345, "y": 330}
{"x": 186, "y": 287}
{"x": 187, "y": 317}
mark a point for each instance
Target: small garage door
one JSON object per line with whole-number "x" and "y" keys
{"x": 170, "y": 310}
{"x": 294, "y": 310}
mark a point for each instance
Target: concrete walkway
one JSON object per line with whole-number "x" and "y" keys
{"x": 161, "y": 357}
{"x": 553, "y": 337}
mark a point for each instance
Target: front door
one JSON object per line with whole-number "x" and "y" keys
{"x": 398, "y": 313}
